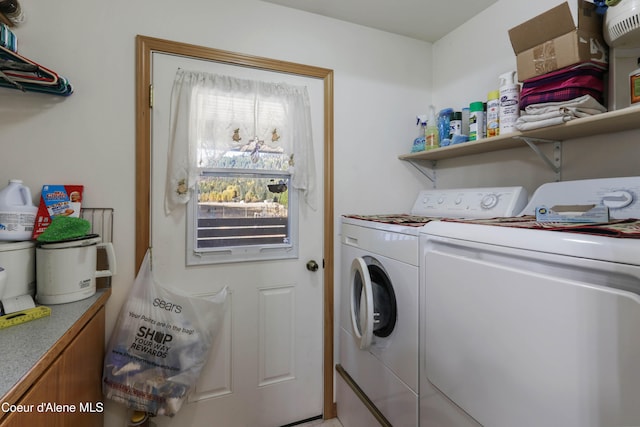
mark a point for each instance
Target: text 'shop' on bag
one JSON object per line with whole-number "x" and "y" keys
{"x": 159, "y": 345}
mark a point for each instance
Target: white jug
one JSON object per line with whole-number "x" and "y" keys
{"x": 17, "y": 212}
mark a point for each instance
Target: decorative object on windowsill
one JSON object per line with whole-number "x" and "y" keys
{"x": 12, "y": 11}
{"x": 236, "y": 135}
{"x": 280, "y": 187}
{"x": 274, "y": 135}
{"x": 254, "y": 154}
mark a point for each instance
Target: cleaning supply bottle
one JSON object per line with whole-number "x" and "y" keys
{"x": 431, "y": 132}
{"x": 634, "y": 84}
{"x": 509, "y": 102}
{"x": 493, "y": 113}
{"x": 17, "y": 212}
{"x": 476, "y": 121}
{"x": 419, "y": 142}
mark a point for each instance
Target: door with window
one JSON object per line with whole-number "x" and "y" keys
{"x": 252, "y": 231}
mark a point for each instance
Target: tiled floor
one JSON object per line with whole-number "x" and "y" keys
{"x": 322, "y": 423}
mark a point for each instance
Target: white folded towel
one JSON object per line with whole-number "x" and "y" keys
{"x": 553, "y": 113}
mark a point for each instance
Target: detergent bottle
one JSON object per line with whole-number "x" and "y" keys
{"x": 493, "y": 113}
{"x": 432, "y": 139}
{"x": 17, "y": 212}
{"x": 509, "y": 102}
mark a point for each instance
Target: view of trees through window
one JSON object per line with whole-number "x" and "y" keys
{"x": 243, "y": 190}
{"x": 242, "y": 210}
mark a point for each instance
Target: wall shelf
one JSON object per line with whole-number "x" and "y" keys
{"x": 605, "y": 123}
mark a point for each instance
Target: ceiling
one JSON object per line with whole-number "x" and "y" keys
{"x": 427, "y": 20}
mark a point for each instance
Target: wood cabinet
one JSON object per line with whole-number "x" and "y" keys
{"x": 68, "y": 393}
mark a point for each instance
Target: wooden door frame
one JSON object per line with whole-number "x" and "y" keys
{"x": 145, "y": 47}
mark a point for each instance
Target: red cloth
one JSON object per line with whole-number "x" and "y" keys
{"x": 564, "y": 85}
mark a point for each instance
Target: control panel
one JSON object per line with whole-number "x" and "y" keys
{"x": 620, "y": 195}
{"x": 471, "y": 203}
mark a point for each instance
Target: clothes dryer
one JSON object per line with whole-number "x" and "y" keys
{"x": 531, "y": 327}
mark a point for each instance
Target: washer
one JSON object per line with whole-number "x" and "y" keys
{"x": 533, "y": 327}
{"x": 379, "y": 302}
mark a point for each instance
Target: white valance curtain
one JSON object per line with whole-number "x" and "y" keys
{"x": 214, "y": 115}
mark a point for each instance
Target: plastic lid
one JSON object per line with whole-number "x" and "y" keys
{"x": 494, "y": 94}
{"x": 476, "y": 106}
{"x": 16, "y": 246}
{"x": 88, "y": 240}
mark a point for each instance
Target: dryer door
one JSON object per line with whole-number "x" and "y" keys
{"x": 373, "y": 307}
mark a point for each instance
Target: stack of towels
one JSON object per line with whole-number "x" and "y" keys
{"x": 562, "y": 95}
{"x": 554, "y": 113}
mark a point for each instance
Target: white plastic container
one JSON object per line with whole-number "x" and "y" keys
{"x": 509, "y": 102}
{"x": 67, "y": 271}
{"x": 17, "y": 212}
{"x": 19, "y": 262}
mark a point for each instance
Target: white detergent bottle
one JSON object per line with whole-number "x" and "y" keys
{"x": 17, "y": 212}
{"x": 509, "y": 102}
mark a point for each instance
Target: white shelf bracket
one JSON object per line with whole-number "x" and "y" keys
{"x": 555, "y": 164}
{"x": 430, "y": 173}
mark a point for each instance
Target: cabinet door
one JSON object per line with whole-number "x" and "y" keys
{"x": 69, "y": 392}
{"x": 81, "y": 375}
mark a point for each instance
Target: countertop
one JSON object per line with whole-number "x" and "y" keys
{"x": 27, "y": 349}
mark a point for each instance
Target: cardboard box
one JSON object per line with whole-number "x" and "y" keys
{"x": 551, "y": 41}
{"x": 57, "y": 200}
{"x": 573, "y": 213}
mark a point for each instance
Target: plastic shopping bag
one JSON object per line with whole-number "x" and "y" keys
{"x": 159, "y": 345}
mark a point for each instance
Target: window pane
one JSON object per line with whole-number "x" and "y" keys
{"x": 238, "y": 211}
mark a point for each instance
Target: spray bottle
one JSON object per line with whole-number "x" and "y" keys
{"x": 509, "y": 102}
{"x": 431, "y": 132}
{"x": 419, "y": 142}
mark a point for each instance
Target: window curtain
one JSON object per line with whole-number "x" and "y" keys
{"x": 212, "y": 115}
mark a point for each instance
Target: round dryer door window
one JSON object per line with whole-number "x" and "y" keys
{"x": 373, "y": 301}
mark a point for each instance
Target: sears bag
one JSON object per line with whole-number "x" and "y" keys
{"x": 159, "y": 345}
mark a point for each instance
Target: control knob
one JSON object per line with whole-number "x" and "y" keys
{"x": 489, "y": 201}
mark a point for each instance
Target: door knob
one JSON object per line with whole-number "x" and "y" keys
{"x": 312, "y": 266}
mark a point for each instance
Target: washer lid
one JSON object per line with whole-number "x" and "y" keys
{"x": 602, "y": 248}
{"x": 88, "y": 240}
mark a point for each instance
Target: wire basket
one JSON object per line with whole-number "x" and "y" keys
{"x": 101, "y": 220}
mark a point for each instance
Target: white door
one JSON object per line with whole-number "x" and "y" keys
{"x": 265, "y": 367}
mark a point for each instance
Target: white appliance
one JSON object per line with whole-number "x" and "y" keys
{"x": 66, "y": 271}
{"x": 530, "y": 327}
{"x": 379, "y": 301}
{"x": 19, "y": 262}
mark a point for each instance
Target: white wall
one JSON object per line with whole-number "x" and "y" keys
{"x": 467, "y": 63}
{"x": 381, "y": 82}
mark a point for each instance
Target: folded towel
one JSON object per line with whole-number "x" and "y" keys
{"x": 586, "y": 103}
{"x": 553, "y": 113}
{"x": 523, "y": 125}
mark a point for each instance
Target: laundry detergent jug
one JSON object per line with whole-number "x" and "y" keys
{"x": 17, "y": 212}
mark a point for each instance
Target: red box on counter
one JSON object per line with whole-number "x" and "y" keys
{"x": 57, "y": 200}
